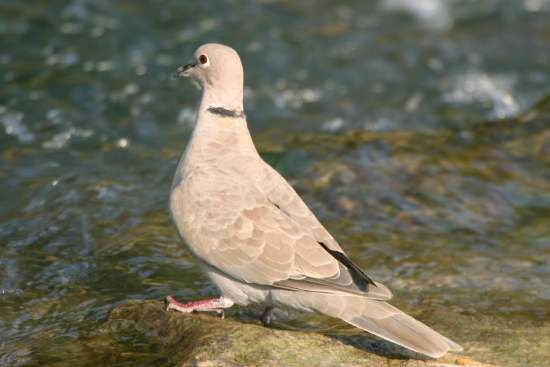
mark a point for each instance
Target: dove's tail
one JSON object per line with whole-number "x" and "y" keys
{"x": 383, "y": 320}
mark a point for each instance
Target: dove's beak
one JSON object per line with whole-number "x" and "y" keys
{"x": 184, "y": 70}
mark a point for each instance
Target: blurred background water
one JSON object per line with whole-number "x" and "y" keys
{"x": 417, "y": 130}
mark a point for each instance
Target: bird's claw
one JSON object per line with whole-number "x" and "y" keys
{"x": 267, "y": 316}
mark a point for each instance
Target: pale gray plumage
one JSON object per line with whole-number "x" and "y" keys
{"x": 254, "y": 236}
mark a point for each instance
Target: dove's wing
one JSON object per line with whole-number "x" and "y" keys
{"x": 268, "y": 238}
{"x": 282, "y": 194}
{"x": 351, "y": 277}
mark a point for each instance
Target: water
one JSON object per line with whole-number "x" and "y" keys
{"x": 409, "y": 127}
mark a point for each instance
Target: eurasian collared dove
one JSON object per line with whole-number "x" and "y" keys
{"x": 254, "y": 236}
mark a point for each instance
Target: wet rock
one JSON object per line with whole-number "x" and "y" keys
{"x": 141, "y": 327}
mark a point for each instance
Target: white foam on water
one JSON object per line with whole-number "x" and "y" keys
{"x": 13, "y": 125}
{"x": 434, "y": 14}
{"x": 479, "y": 87}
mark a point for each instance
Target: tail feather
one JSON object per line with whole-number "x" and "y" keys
{"x": 383, "y": 320}
{"x": 405, "y": 331}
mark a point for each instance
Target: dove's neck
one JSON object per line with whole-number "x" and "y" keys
{"x": 229, "y": 99}
{"x": 221, "y": 133}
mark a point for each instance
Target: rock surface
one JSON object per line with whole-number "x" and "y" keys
{"x": 144, "y": 327}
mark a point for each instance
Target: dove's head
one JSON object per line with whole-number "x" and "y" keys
{"x": 215, "y": 66}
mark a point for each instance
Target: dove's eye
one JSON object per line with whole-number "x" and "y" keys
{"x": 203, "y": 59}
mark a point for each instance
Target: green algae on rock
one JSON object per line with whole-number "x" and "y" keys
{"x": 136, "y": 328}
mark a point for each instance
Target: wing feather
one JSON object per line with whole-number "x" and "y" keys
{"x": 263, "y": 233}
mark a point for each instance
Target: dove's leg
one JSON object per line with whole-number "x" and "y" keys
{"x": 267, "y": 316}
{"x": 213, "y": 305}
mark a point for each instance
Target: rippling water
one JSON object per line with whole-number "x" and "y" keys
{"x": 416, "y": 130}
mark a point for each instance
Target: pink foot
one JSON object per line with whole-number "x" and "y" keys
{"x": 208, "y": 305}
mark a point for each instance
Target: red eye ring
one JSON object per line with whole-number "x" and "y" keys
{"x": 203, "y": 59}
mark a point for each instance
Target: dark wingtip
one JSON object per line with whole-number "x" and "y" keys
{"x": 361, "y": 279}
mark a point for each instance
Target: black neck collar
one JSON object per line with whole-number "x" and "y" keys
{"x": 224, "y": 112}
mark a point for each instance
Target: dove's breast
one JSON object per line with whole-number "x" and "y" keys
{"x": 192, "y": 204}
{"x": 204, "y": 202}
{"x": 204, "y": 205}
